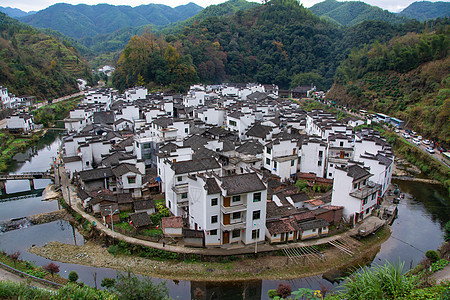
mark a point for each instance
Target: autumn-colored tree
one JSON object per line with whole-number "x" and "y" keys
{"x": 51, "y": 268}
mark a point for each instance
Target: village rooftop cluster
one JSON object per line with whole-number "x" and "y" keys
{"x": 226, "y": 158}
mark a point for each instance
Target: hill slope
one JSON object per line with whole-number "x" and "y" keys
{"x": 15, "y": 12}
{"x": 425, "y": 10}
{"x": 280, "y": 42}
{"x": 408, "y": 78}
{"x": 354, "y": 12}
{"x": 82, "y": 20}
{"x": 36, "y": 64}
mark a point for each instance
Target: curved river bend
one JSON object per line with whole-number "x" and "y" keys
{"x": 417, "y": 229}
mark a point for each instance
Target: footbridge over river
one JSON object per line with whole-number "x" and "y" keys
{"x": 30, "y": 176}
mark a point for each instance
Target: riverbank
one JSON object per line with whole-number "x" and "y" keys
{"x": 11, "y": 144}
{"x": 230, "y": 269}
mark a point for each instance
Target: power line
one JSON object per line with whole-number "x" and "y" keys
{"x": 407, "y": 244}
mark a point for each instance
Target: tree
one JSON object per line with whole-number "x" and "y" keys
{"x": 73, "y": 276}
{"x": 130, "y": 287}
{"x": 15, "y": 257}
{"x": 284, "y": 290}
{"x": 51, "y": 268}
{"x": 108, "y": 282}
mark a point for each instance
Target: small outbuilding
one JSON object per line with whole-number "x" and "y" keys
{"x": 172, "y": 226}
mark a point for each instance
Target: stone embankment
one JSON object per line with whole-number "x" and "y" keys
{"x": 49, "y": 217}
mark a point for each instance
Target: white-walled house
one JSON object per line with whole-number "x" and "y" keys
{"x": 175, "y": 175}
{"x": 213, "y": 116}
{"x": 239, "y": 122}
{"x": 136, "y": 93}
{"x": 128, "y": 179}
{"x": 313, "y": 156}
{"x": 229, "y": 209}
{"x": 281, "y": 158}
{"x": 353, "y": 190}
{"x": 22, "y": 122}
{"x": 78, "y": 119}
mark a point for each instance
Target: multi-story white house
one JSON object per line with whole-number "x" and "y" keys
{"x": 98, "y": 96}
{"x": 239, "y": 122}
{"x": 353, "y": 190}
{"x": 5, "y": 98}
{"x": 313, "y": 156}
{"x": 136, "y": 93}
{"x": 212, "y": 116}
{"x": 281, "y": 158}
{"x": 340, "y": 151}
{"x": 175, "y": 175}
{"x": 78, "y": 119}
{"x": 229, "y": 209}
{"x": 21, "y": 122}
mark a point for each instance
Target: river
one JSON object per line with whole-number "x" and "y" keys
{"x": 417, "y": 229}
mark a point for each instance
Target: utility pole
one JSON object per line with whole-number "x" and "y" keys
{"x": 68, "y": 194}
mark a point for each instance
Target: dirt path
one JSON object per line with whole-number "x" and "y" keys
{"x": 264, "y": 267}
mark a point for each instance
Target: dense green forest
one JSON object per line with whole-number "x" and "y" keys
{"x": 36, "y": 64}
{"x": 280, "y": 42}
{"x": 407, "y": 77}
{"x": 83, "y": 20}
{"x": 426, "y": 10}
{"x": 354, "y": 12}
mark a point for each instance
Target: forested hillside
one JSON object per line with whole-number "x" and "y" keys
{"x": 15, "y": 12}
{"x": 350, "y": 13}
{"x": 408, "y": 77}
{"x": 280, "y": 42}
{"x": 426, "y": 10}
{"x": 83, "y": 20}
{"x": 36, "y": 64}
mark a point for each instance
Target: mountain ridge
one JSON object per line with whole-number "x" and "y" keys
{"x": 83, "y": 20}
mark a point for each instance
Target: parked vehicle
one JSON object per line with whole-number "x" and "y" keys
{"x": 442, "y": 149}
{"x": 426, "y": 142}
{"x": 419, "y": 137}
{"x": 430, "y": 149}
{"x": 414, "y": 134}
{"x": 416, "y": 141}
{"x": 406, "y": 135}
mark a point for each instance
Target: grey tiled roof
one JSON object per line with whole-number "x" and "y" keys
{"x": 259, "y": 131}
{"x": 144, "y": 204}
{"x": 317, "y": 223}
{"x": 125, "y": 168}
{"x": 356, "y": 172}
{"x": 242, "y": 183}
{"x": 140, "y": 219}
{"x": 251, "y": 147}
{"x": 212, "y": 187}
{"x": 190, "y": 166}
{"x": 95, "y": 174}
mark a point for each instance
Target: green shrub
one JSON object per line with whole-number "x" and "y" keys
{"x": 432, "y": 255}
{"x": 272, "y": 293}
{"x": 73, "y": 276}
{"x": 37, "y": 273}
{"x": 113, "y": 249}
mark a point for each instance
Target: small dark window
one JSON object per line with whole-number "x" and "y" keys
{"x": 256, "y": 215}
{"x": 236, "y": 198}
{"x": 256, "y": 197}
{"x": 213, "y": 232}
{"x": 179, "y": 178}
{"x": 214, "y": 201}
{"x": 184, "y": 196}
{"x": 236, "y": 233}
{"x": 213, "y": 219}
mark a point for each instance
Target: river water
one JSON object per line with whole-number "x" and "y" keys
{"x": 418, "y": 228}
